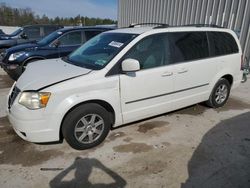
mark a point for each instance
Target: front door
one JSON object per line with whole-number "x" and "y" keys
{"x": 147, "y": 92}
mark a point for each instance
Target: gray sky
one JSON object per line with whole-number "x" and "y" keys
{"x": 68, "y": 8}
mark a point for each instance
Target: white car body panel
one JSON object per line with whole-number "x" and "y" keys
{"x": 42, "y": 76}
{"x": 137, "y": 87}
{"x": 132, "y": 96}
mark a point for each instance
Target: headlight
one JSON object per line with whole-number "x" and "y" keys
{"x": 34, "y": 100}
{"x": 14, "y": 56}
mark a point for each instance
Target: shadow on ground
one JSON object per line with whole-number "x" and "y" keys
{"x": 83, "y": 168}
{"x": 223, "y": 157}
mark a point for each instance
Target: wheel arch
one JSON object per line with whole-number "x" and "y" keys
{"x": 102, "y": 103}
{"x": 229, "y": 78}
{"x": 33, "y": 58}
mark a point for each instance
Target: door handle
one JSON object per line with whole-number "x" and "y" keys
{"x": 181, "y": 71}
{"x": 167, "y": 74}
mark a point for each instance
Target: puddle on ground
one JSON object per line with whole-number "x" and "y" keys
{"x": 6, "y": 131}
{"x": 133, "y": 147}
{"x": 20, "y": 152}
{"x": 5, "y": 81}
{"x": 166, "y": 144}
{"x": 15, "y": 151}
{"x": 4, "y": 121}
{"x": 165, "y": 162}
{"x": 144, "y": 128}
{"x": 234, "y": 104}
{"x": 193, "y": 110}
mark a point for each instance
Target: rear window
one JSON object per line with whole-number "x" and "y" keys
{"x": 189, "y": 46}
{"x": 222, "y": 43}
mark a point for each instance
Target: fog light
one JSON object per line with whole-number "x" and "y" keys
{"x": 11, "y": 67}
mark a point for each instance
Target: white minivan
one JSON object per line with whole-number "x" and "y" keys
{"x": 122, "y": 76}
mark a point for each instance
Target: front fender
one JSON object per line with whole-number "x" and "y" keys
{"x": 110, "y": 96}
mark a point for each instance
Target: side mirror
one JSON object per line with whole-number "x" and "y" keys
{"x": 130, "y": 65}
{"x": 56, "y": 43}
{"x": 24, "y": 36}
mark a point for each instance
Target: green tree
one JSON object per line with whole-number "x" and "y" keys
{"x": 18, "y": 17}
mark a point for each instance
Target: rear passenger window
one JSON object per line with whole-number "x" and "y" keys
{"x": 189, "y": 46}
{"x": 222, "y": 43}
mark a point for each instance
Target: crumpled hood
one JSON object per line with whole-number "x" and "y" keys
{"x": 44, "y": 73}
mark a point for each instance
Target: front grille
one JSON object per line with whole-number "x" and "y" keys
{"x": 13, "y": 96}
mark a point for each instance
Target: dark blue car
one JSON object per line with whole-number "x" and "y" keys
{"x": 26, "y": 34}
{"x": 58, "y": 44}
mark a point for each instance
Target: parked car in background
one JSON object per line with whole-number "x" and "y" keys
{"x": 122, "y": 76}
{"x": 29, "y": 33}
{"x": 58, "y": 44}
{"x": 1, "y": 32}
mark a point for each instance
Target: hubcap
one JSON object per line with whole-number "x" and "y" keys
{"x": 89, "y": 128}
{"x": 221, "y": 94}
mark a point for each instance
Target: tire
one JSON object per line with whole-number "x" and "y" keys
{"x": 85, "y": 122}
{"x": 220, "y": 94}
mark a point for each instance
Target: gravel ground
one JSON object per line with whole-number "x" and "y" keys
{"x": 192, "y": 147}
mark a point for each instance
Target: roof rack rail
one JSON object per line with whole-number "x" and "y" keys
{"x": 202, "y": 25}
{"x": 160, "y": 25}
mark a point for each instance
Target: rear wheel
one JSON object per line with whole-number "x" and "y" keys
{"x": 220, "y": 94}
{"x": 86, "y": 126}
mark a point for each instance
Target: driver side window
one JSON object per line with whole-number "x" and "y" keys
{"x": 152, "y": 51}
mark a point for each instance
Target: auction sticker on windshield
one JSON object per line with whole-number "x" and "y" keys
{"x": 116, "y": 44}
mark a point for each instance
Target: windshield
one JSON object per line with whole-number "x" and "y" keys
{"x": 16, "y": 32}
{"x": 49, "y": 38}
{"x": 100, "y": 50}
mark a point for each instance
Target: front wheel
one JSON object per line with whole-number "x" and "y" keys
{"x": 86, "y": 126}
{"x": 220, "y": 94}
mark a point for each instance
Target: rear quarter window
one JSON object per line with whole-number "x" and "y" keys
{"x": 188, "y": 46}
{"x": 222, "y": 43}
